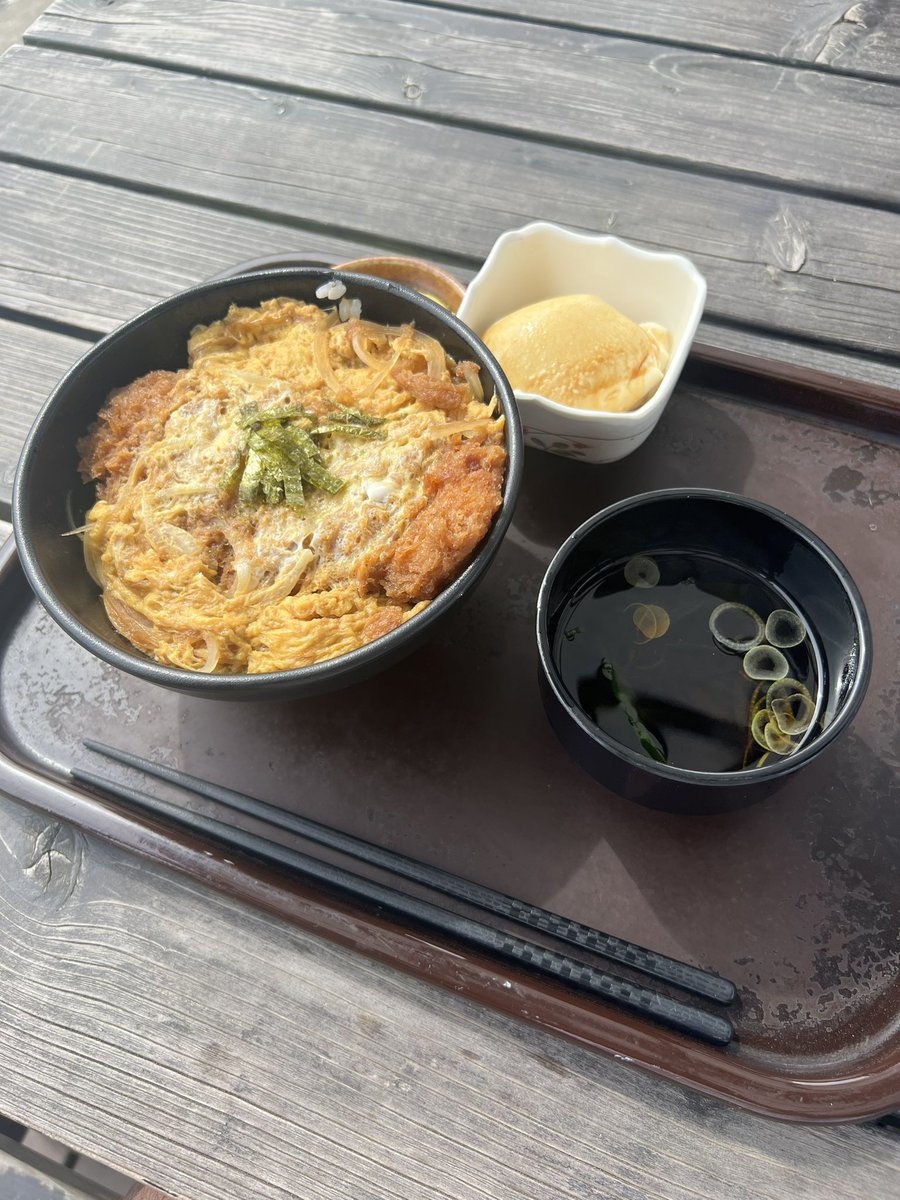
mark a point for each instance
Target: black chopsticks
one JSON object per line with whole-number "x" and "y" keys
{"x": 658, "y": 966}
{"x": 681, "y": 1016}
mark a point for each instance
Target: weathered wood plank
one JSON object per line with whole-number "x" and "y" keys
{"x": 700, "y": 109}
{"x": 115, "y": 251}
{"x": 112, "y": 252}
{"x": 863, "y": 37}
{"x": 802, "y": 354}
{"x": 256, "y": 1061}
{"x": 800, "y": 266}
{"x": 33, "y": 362}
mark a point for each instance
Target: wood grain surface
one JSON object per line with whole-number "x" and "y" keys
{"x": 796, "y": 264}
{"x": 620, "y": 94}
{"x": 859, "y": 38}
{"x": 255, "y": 1056}
{"x": 35, "y": 359}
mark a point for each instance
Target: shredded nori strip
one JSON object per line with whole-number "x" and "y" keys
{"x": 278, "y": 452}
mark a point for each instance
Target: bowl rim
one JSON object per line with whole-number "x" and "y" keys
{"x": 650, "y": 410}
{"x": 333, "y": 670}
{"x": 663, "y": 771}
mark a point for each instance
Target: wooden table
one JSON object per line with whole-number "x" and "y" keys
{"x": 180, "y": 1036}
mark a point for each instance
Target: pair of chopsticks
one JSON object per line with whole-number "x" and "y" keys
{"x": 674, "y": 1013}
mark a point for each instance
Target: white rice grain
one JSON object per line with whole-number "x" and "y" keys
{"x": 332, "y": 290}
{"x": 349, "y": 309}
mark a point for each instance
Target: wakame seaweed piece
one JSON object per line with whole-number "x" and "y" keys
{"x": 650, "y": 744}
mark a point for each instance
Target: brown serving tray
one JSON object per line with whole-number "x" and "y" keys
{"x": 448, "y": 757}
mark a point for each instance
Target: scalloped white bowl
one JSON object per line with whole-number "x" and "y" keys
{"x": 543, "y": 260}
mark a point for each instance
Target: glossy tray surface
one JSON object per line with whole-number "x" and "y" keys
{"x": 448, "y": 757}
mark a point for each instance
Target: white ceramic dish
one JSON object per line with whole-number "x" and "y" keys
{"x": 543, "y": 260}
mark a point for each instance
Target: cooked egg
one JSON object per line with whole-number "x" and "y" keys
{"x": 284, "y": 500}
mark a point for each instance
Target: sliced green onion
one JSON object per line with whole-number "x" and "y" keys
{"x": 777, "y": 742}
{"x": 641, "y": 572}
{"x": 785, "y": 629}
{"x": 793, "y": 708}
{"x": 765, "y": 662}
{"x": 761, "y": 719}
{"x": 736, "y": 627}
{"x": 651, "y": 620}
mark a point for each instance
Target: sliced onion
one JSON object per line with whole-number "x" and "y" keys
{"x": 463, "y": 426}
{"x": 213, "y": 653}
{"x": 376, "y": 381}
{"x": 286, "y": 579}
{"x": 767, "y": 734}
{"x": 131, "y": 624}
{"x": 244, "y": 578}
{"x": 322, "y": 356}
{"x": 472, "y": 377}
{"x": 93, "y": 562}
{"x": 433, "y": 352}
{"x": 170, "y": 541}
{"x": 360, "y": 343}
{"x": 793, "y": 714}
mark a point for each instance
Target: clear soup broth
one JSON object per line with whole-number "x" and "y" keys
{"x": 692, "y": 661}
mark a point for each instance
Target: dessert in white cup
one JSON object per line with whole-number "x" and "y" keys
{"x": 541, "y": 261}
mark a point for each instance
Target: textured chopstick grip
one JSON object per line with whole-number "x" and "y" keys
{"x": 683, "y": 1017}
{"x": 658, "y": 966}
{"x": 709, "y": 1026}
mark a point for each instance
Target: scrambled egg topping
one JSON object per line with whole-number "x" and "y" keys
{"x": 379, "y": 472}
